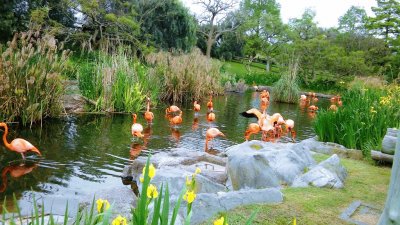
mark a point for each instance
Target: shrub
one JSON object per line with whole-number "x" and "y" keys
{"x": 30, "y": 77}
{"x": 185, "y": 77}
{"x": 362, "y": 121}
{"x": 287, "y": 89}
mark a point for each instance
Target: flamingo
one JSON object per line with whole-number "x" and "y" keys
{"x": 195, "y": 124}
{"x": 264, "y": 104}
{"x": 264, "y": 94}
{"x": 315, "y": 100}
{"x": 18, "y": 145}
{"x": 303, "y": 97}
{"x": 340, "y": 103}
{"x": 176, "y": 119}
{"x": 333, "y": 107}
{"x": 313, "y": 108}
{"x": 211, "y": 133}
{"x": 172, "y": 109}
{"x": 15, "y": 172}
{"x": 290, "y": 126}
{"x": 253, "y": 128}
{"x": 149, "y": 116}
{"x": 254, "y": 113}
{"x": 196, "y": 107}
{"x": 210, "y": 104}
{"x": 136, "y": 128}
{"x": 210, "y": 117}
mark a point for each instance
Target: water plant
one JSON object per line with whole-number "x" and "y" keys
{"x": 362, "y": 121}
{"x": 30, "y": 77}
{"x": 116, "y": 82}
{"x": 286, "y": 88}
{"x": 185, "y": 77}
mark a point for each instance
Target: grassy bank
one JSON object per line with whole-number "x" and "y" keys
{"x": 365, "y": 182}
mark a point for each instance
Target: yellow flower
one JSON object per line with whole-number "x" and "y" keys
{"x": 152, "y": 171}
{"x": 189, "y": 196}
{"x": 198, "y": 170}
{"x": 141, "y": 179}
{"x": 102, "y": 205}
{"x": 152, "y": 191}
{"x": 372, "y": 110}
{"x": 294, "y": 221}
{"x": 219, "y": 221}
{"x": 119, "y": 220}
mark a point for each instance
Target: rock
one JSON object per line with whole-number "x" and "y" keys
{"x": 329, "y": 148}
{"x": 207, "y": 205}
{"x": 389, "y": 141}
{"x": 257, "y": 164}
{"x": 329, "y": 173}
{"x": 73, "y": 103}
{"x": 176, "y": 179}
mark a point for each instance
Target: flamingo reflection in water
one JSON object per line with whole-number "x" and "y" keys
{"x": 15, "y": 171}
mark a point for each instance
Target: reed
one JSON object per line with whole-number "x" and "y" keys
{"x": 115, "y": 82}
{"x": 286, "y": 88}
{"x": 362, "y": 121}
{"x": 185, "y": 77}
{"x": 31, "y": 68}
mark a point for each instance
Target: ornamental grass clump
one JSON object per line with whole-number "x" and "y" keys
{"x": 286, "y": 89}
{"x": 363, "y": 120}
{"x": 31, "y": 68}
{"x": 185, "y": 77}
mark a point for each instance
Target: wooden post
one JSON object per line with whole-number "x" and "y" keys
{"x": 391, "y": 213}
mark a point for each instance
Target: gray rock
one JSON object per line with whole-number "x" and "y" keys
{"x": 329, "y": 173}
{"x": 207, "y": 205}
{"x": 389, "y": 141}
{"x": 73, "y": 103}
{"x": 257, "y": 164}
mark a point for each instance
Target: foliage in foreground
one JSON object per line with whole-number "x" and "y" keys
{"x": 362, "y": 121}
{"x": 30, "y": 77}
{"x": 115, "y": 82}
{"x": 185, "y": 77}
{"x": 287, "y": 89}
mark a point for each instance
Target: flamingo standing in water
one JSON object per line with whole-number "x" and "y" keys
{"x": 172, "y": 109}
{"x": 176, "y": 119}
{"x": 149, "y": 116}
{"x": 18, "y": 145}
{"x": 210, "y": 104}
{"x": 210, "y": 116}
{"x": 290, "y": 127}
{"x": 136, "y": 128}
{"x": 196, "y": 107}
{"x": 211, "y": 133}
{"x": 253, "y": 128}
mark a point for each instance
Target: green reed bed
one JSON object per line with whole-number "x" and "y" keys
{"x": 116, "y": 82}
{"x": 362, "y": 121}
{"x": 287, "y": 89}
{"x": 185, "y": 77}
{"x": 31, "y": 69}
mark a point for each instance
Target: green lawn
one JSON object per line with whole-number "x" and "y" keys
{"x": 240, "y": 69}
{"x": 365, "y": 182}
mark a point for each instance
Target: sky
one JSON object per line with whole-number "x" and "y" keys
{"x": 327, "y": 11}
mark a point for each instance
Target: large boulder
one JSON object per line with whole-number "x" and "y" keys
{"x": 257, "y": 164}
{"x": 208, "y": 205}
{"x": 329, "y": 173}
{"x": 389, "y": 141}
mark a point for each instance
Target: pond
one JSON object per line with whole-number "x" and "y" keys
{"x": 83, "y": 153}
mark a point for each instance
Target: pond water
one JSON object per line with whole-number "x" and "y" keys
{"x": 83, "y": 153}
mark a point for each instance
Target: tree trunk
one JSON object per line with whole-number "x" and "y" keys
{"x": 267, "y": 67}
{"x": 210, "y": 42}
{"x": 391, "y": 213}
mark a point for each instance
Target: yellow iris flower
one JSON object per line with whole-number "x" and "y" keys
{"x": 189, "y": 196}
{"x": 102, "y": 205}
{"x": 219, "y": 221}
{"x": 152, "y": 171}
{"x": 119, "y": 221}
{"x": 198, "y": 170}
{"x": 152, "y": 191}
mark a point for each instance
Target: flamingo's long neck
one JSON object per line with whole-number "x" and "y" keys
{"x": 8, "y": 145}
{"x": 148, "y": 106}
{"x": 134, "y": 118}
{"x": 206, "y": 148}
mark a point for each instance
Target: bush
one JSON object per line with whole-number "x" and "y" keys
{"x": 287, "y": 89}
{"x": 185, "y": 77}
{"x": 362, "y": 121}
{"x": 30, "y": 77}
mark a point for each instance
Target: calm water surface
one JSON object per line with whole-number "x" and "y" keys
{"x": 83, "y": 153}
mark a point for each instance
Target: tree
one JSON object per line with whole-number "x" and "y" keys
{"x": 166, "y": 23}
{"x": 387, "y": 20}
{"x": 353, "y": 21}
{"x": 214, "y": 13}
{"x": 304, "y": 28}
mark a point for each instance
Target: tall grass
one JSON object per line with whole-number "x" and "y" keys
{"x": 31, "y": 66}
{"x": 185, "y": 77}
{"x": 287, "y": 89}
{"x": 362, "y": 121}
{"x": 115, "y": 82}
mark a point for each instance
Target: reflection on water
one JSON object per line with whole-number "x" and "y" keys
{"x": 84, "y": 153}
